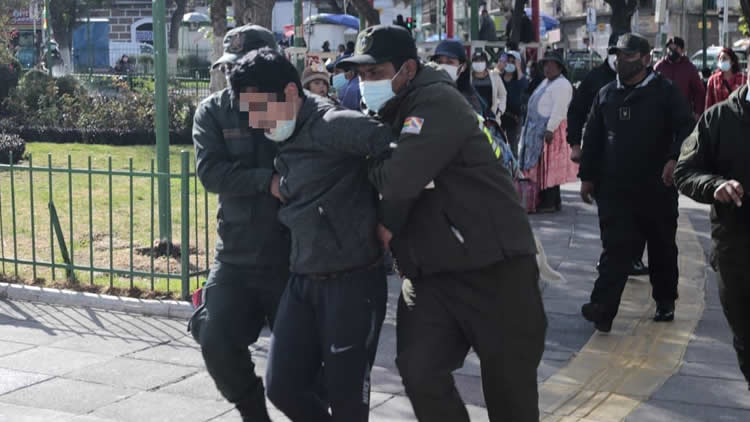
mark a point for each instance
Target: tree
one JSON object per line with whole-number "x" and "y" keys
{"x": 622, "y": 15}
{"x": 218, "y": 13}
{"x": 63, "y": 15}
{"x": 745, "y": 5}
{"x": 175, "y": 21}
{"x": 368, "y": 11}
{"x": 258, "y": 12}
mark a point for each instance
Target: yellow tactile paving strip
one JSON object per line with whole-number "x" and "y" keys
{"x": 615, "y": 372}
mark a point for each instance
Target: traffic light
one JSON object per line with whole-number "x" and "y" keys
{"x": 410, "y": 23}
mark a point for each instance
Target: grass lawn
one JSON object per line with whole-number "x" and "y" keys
{"x": 91, "y": 231}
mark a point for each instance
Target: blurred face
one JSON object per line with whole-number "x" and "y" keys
{"x": 552, "y": 69}
{"x": 266, "y": 109}
{"x": 318, "y": 87}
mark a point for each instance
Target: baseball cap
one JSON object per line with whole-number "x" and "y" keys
{"x": 450, "y": 48}
{"x": 242, "y": 40}
{"x": 381, "y": 43}
{"x": 631, "y": 43}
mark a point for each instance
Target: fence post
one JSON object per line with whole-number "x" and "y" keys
{"x": 185, "y": 225}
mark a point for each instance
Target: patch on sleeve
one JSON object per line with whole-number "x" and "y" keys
{"x": 412, "y": 125}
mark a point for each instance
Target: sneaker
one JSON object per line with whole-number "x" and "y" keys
{"x": 664, "y": 312}
{"x": 593, "y": 312}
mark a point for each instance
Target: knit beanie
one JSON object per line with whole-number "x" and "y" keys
{"x": 314, "y": 72}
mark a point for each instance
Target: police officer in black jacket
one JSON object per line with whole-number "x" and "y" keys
{"x": 252, "y": 250}
{"x": 630, "y": 147}
{"x": 578, "y": 112}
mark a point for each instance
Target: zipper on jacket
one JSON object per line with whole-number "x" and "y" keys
{"x": 455, "y": 231}
{"x": 328, "y": 223}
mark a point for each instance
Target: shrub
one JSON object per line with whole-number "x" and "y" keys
{"x": 34, "y": 85}
{"x": 69, "y": 85}
{"x": 9, "y": 74}
{"x": 11, "y": 143}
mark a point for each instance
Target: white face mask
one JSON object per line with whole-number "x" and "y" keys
{"x": 611, "y": 60}
{"x": 376, "y": 93}
{"x": 451, "y": 69}
{"x": 724, "y": 66}
{"x": 339, "y": 81}
{"x": 283, "y": 130}
{"x": 479, "y": 67}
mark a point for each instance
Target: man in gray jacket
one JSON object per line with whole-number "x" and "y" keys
{"x": 334, "y": 304}
{"x": 252, "y": 250}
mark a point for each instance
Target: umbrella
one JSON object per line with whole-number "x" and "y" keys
{"x": 435, "y": 38}
{"x": 288, "y": 31}
{"x": 546, "y": 22}
{"x": 343, "y": 20}
{"x": 195, "y": 17}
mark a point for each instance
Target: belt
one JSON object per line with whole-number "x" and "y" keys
{"x": 341, "y": 274}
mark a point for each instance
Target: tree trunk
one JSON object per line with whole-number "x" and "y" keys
{"x": 174, "y": 23}
{"x": 622, "y": 15}
{"x": 368, "y": 11}
{"x": 517, "y": 21}
{"x": 219, "y": 25}
{"x": 241, "y": 10}
{"x": 745, "y": 5}
{"x": 63, "y": 14}
{"x": 260, "y": 12}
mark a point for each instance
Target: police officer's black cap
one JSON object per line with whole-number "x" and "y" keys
{"x": 380, "y": 44}
{"x": 631, "y": 43}
{"x": 244, "y": 39}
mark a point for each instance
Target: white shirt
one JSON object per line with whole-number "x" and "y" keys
{"x": 555, "y": 101}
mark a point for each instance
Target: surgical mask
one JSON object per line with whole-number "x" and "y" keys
{"x": 627, "y": 70}
{"x": 612, "y": 61}
{"x": 376, "y": 93}
{"x": 479, "y": 67}
{"x": 283, "y": 130}
{"x": 510, "y": 68}
{"x": 724, "y": 66}
{"x": 451, "y": 70}
{"x": 339, "y": 81}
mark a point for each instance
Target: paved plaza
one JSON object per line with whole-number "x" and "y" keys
{"x": 61, "y": 363}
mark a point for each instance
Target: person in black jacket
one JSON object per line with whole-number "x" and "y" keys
{"x": 251, "y": 265}
{"x": 630, "y": 147}
{"x": 334, "y": 303}
{"x": 459, "y": 234}
{"x": 714, "y": 168}
{"x": 578, "y": 112}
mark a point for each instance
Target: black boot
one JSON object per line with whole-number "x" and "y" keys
{"x": 664, "y": 312}
{"x": 595, "y": 313}
{"x": 252, "y": 408}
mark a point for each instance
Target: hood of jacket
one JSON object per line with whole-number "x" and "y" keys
{"x": 738, "y": 103}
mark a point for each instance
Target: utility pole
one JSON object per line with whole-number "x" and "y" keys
{"x": 47, "y": 29}
{"x": 449, "y": 19}
{"x": 474, "y": 20}
{"x": 705, "y": 34}
{"x": 162, "y": 119}
{"x": 299, "y": 34}
{"x": 535, "y": 19}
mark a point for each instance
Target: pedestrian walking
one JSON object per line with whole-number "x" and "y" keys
{"x": 487, "y": 29}
{"x": 334, "y": 303}
{"x": 489, "y": 85}
{"x": 578, "y": 112}
{"x": 450, "y": 56}
{"x": 516, "y": 85}
{"x": 460, "y": 236}
{"x": 714, "y": 168}
{"x": 630, "y": 146}
{"x": 544, "y": 153}
{"x": 677, "y": 67}
{"x": 727, "y": 78}
{"x": 251, "y": 264}
{"x": 315, "y": 78}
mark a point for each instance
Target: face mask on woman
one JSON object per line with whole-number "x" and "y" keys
{"x": 510, "y": 68}
{"x": 479, "y": 67}
{"x": 724, "y": 66}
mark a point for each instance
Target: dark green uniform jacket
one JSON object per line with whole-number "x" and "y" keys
{"x": 237, "y": 163}
{"x": 448, "y": 200}
{"x": 718, "y": 151}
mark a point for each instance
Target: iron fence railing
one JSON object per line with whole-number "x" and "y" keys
{"x": 110, "y": 217}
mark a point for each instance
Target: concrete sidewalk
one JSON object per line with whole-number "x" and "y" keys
{"x": 62, "y": 363}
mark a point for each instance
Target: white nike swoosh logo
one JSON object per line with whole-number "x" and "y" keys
{"x": 336, "y": 350}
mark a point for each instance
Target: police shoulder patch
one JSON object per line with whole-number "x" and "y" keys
{"x": 412, "y": 125}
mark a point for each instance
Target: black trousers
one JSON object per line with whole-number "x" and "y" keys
{"x": 233, "y": 313}
{"x": 334, "y": 322}
{"x": 498, "y": 312}
{"x": 622, "y": 233}
{"x": 734, "y": 293}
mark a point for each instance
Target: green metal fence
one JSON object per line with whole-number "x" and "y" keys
{"x": 111, "y": 207}
{"x": 194, "y": 84}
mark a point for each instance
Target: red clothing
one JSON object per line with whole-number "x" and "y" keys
{"x": 685, "y": 75}
{"x": 718, "y": 90}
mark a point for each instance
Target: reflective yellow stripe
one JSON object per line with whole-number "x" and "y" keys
{"x": 495, "y": 147}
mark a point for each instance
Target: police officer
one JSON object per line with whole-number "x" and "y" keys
{"x": 578, "y": 112}
{"x": 714, "y": 168}
{"x": 459, "y": 234}
{"x": 630, "y": 147}
{"x": 252, "y": 250}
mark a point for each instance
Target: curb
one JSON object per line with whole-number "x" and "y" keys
{"x": 148, "y": 307}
